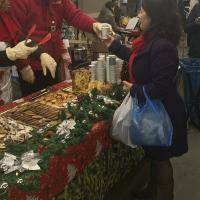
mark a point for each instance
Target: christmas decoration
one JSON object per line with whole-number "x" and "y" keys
{"x": 64, "y": 150}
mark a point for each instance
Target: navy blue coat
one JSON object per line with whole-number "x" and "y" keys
{"x": 156, "y": 68}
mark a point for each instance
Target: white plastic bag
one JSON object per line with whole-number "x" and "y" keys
{"x": 5, "y": 79}
{"x": 121, "y": 122}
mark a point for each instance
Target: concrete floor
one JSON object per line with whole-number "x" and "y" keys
{"x": 187, "y": 170}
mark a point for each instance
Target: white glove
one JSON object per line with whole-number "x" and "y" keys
{"x": 20, "y": 51}
{"x": 47, "y": 62}
{"x": 28, "y": 74}
{"x": 98, "y": 26}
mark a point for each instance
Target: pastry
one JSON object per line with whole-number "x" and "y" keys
{"x": 2, "y": 146}
{"x": 57, "y": 99}
{"x": 102, "y": 87}
{"x": 80, "y": 80}
{"x": 10, "y": 129}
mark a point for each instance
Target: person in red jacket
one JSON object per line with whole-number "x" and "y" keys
{"x": 48, "y": 16}
{"x": 8, "y": 35}
{"x": 11, "y": 49}
{"x": 8, "y": 54}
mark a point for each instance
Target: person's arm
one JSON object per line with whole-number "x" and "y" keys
{"x": 11, "y": 54}
{"x": 120, "y": 50}
{"x": 163, "y": 69}
{"x": 18, "y": 12}
{"x": 77, "y": 18}
{"x": 26, "y": 71}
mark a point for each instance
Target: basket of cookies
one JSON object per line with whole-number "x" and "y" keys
{"x": 80, "y": 80}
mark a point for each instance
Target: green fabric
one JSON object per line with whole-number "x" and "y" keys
{"x": 102, "y": 174}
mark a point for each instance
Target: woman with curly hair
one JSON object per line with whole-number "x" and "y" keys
{"x": 153, "y": 63}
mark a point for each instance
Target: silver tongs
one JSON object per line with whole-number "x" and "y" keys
{"x": 41, "y": 93}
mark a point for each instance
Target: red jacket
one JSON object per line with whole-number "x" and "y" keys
{"x": 8, "y": 34}
{"x": 47, "y": 15}
{"x": 9, "y": 29}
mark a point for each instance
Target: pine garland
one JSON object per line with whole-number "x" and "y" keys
{"x": 89, "y": 110}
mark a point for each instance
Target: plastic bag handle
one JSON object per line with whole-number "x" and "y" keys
{"x": 149, "y": 100}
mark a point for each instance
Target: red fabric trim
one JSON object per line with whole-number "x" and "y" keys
{"x": 56, "y": 177}
{"x": 137, "y": 46}
{"x": 54, "y": 88}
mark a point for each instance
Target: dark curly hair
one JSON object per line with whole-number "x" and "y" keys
{"x": 165, "y": 21}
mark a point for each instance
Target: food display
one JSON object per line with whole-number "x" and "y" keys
{"x": 101, "y": 86}
{"x": 57, "y": 99}
{"x": 17, "y": 123}
{"x": 80, "y": 80}
{"x": 10, "y": 129}
{"x": 34, "y": 114}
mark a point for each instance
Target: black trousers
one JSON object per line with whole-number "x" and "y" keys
{"x": 155, "y": 180}
{"x": 162, "y": 177}
{"x": 40, "y": 83}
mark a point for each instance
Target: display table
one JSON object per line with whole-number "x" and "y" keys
{"x": 84, "y": 166}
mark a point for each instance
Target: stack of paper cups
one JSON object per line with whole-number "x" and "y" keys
{"x": 112, "y": 66}
{"x": 104, "y": 59}
{"x": 94, "y": 63}
{"x": 108, "y": 69}
{"x": 119, "y": 64}
{"x": 101, "y": 70}
{"x": 92, "y": 69}
{"x": 102, "y": 55}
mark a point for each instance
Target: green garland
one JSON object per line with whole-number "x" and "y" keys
{"x": 103, "y": 173}
{"x": 116, "y": 93}
{"x": 89, "y": 110}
